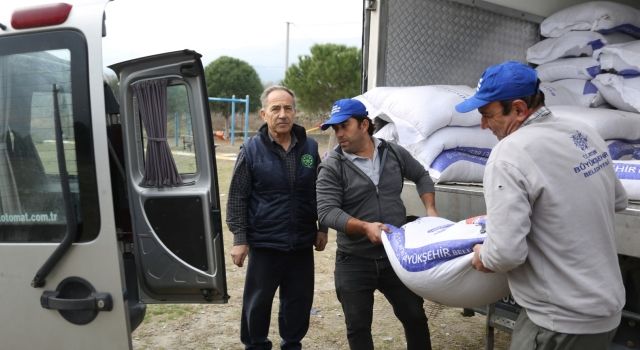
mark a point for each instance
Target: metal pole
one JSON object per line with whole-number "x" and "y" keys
{"x": 286, "y": 57}
{"x": 246, "y": 117}
{"x": 233, "y": 118}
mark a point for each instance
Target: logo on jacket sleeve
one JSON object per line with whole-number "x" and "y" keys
{"x": 580, "y": 140}
{"x": 307, "y": 160}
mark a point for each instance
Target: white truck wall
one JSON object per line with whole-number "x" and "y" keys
{"x": 420, "y": 42}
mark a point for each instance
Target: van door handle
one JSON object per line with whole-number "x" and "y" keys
{"x": 76, "y": 300}
{"x": 97, "y": 301}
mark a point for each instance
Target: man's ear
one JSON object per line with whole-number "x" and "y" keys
{"x": 521, "y": 109}
{"x": 263, "y": 114}
{"x": 367, "y": 121}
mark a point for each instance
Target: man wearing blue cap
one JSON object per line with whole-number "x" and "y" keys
{"x": 551, "y": 194}
{"x": 358, "y": 189}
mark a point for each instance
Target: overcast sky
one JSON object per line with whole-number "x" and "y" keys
{"x": 251, "y": 30}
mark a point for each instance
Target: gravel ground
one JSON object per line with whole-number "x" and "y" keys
{"x": 218, "y": 326}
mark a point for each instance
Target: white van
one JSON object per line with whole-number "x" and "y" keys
{"x": 97, "y": 219}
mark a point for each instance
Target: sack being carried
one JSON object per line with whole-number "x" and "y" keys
{"x": 432, "y": 257}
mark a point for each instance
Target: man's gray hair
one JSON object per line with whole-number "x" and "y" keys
{"x": 270, "y": 89}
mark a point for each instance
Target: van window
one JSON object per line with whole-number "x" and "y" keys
{"x": 44, "y": 77}
{"x": 179, "y": 129}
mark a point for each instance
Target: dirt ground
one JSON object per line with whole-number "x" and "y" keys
{"x": 218, "y": 326}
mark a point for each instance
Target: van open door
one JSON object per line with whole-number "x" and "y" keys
{"x": 172, "y": 182}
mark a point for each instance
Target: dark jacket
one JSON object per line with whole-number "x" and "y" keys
{"x": 344, "y": 191}
{"x": 281, "y": 216}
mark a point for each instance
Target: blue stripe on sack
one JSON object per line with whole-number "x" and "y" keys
{"x": 627, "y": 171}
{"x": 589, "y": 88}
{"x": 629, "y": 73}
{"x": 630, "y": 29}
{"x": 596, "y": 44}
{"x": 593, "y": 71}
{"x": 619, "y": 149}
{"x": 448, "y": 157}
{"x": 429, "y": 256}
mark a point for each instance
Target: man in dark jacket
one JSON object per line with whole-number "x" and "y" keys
{"x": 272, "y": 213}
{"x": 359, "y": 187}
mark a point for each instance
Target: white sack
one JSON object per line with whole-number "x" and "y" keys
{"x": 574, "y": 92}
{"x": 571, "y": 44}
{"x": 451, "y": 137}
{"x": 459, "y": 165}
{"x": 623, "y": 59}
{"x": 388, "y": 132}
{"x": 432, "y": 257}
{"x": 623, "y": 150}
{"x": 431, "y": 107}
{"x": 628, "y": 171}
{"x": 610, "y": 123}
{"x": 622, "y": 93}
{"x": 374, "y": 98}
{"x": 569, "y": 68}
{"x": 418, "y": 111}
{"x": 603, "y": 16}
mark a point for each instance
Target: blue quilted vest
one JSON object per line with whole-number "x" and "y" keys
{"x": 280, "y": 216}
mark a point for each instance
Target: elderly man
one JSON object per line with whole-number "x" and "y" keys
{"x": 272, "y": 213}
{"x": 551, "y": 195}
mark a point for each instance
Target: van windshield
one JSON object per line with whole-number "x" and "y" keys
{"x": 38, "y": 71}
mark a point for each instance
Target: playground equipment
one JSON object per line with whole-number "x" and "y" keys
{"x": 233, "y": 101}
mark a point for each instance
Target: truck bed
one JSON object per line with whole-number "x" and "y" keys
{"x": 460, "y": 201}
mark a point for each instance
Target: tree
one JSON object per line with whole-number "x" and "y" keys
{"x": 330, "y": 73}
{"x": 228, "y": 76}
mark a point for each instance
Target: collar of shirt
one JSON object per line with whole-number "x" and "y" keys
{"x": 371, "y": 167}
{"x": 294, "y": 141}
{"x": 538, "y": 115}
{"x": 352, "y": 157}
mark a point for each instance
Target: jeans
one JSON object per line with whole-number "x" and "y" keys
{"x": 267, "y": 270}
{"x": 356, "y": 280}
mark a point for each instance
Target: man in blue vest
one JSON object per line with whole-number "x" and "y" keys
{"x": 271, "y": 212}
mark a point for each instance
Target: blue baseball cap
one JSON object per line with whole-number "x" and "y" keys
{"x": 343, "y": 110}
{"x": 504, "y": 81}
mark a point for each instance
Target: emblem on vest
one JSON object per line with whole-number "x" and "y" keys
{"x": 307, "y": 160}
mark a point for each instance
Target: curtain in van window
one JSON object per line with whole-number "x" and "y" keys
{"x": 160, "y": 168}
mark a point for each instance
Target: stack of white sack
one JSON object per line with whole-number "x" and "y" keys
{"x": 621, "y": 86}
{"x": 432, "y": 257}
{"x": 423, "y": 119}
{"x": 574, "y": 38}
{"x": 418, "y": 111}
{"x": 628, "y": 171}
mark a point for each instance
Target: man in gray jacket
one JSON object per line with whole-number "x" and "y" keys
{"x": 358, "y": 191}
{"x": 551, "y": 195}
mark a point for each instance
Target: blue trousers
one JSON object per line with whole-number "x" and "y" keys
{"x": 267, "y": 270}
{"x": 356, "y": 280}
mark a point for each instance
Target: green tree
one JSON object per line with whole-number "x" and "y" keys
{"x": 228, "y": 76}
{"x": 331, "y": 72}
